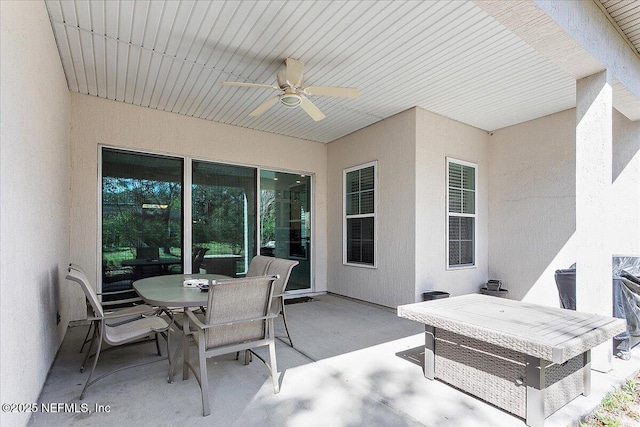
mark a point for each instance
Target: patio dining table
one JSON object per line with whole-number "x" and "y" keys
{"x": 527, "y": 359}
{"x": 168, "y": 292}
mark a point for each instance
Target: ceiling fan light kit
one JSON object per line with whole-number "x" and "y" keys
{"x": 291, "y": 100}
{"x": 293, "y": 96}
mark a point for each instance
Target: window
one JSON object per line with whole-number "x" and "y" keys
{"x": 461, "y": 213}
{"x": 359, "y": 215}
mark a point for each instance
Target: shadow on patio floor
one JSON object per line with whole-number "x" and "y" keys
{"x": 355, "y": 364}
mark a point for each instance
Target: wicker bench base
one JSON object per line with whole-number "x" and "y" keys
{"x": 499, "y": 375}
{"x": 525, "y": 358}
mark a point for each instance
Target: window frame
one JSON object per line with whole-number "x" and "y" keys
{"x": 448, "y": 215}
{"x": 373, "y": 215}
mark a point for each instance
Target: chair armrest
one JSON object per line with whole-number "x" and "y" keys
{"x": 121, "y": 301}
{"x": 126, "y": 291}
{"x": 194, "y": 320}
{"x": 116, "y": 315}
{"x": 199, "y": 325}
{"x": 136, "y": 309}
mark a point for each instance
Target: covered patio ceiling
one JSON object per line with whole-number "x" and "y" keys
{"x": 450, "y": 57}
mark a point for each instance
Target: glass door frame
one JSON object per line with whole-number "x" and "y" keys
{"x": 187, "y": 211}
{"x": 311, "y": 255}
{"x": 99, "y": 183}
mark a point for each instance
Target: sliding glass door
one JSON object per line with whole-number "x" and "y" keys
{"x": 141, "y": 216}
{"x": 285, "y": 218}
{"x": 223, "y": 217}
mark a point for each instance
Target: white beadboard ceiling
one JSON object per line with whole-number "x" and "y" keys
{"x": 449, "y": 57}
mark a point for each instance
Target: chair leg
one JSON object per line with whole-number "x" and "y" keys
{"x": 286, "y": 328}
{"x": 204, "y": 380}
{"x": 174, "y": 363}
{"x": 86, "y": 336}
{"x": 168, "y": 346}
{"x": 273, "y": 366}
{"x": 93, "y": 339}
{"x": 247, "y": 357}
{"x": 185, "y": 346}
{"x": 95, "y": 361}
{"x": 158, "y": 345}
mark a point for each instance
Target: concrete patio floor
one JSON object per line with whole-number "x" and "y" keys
{"x": 354, "y": 364}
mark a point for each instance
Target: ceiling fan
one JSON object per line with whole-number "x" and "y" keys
{"x": 294, "y": 94}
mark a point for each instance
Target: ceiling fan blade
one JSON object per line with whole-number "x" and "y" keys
{"x": 311, "y": 109}
{"x": 342, "y": 92}
{"x": 265, "y": 106}
{"x": 249, "y": 85}
{"x": 295, "y": 69}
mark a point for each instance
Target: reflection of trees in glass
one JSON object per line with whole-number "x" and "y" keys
{"x": 267, "y": 216}
{"x": 219, "y": 217}
{"x": 138, "y": 213}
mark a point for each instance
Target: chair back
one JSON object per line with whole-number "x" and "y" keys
{"x": 235, "y": 300}
{"x": 258, "y": 265}
{"x": 151, "y": 252}
{"x": 79, "y": 277}
{"x": 197, "y": 259}
{"x": 281, "y": 267}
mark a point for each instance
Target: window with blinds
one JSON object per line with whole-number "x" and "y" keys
{"x": 461, "y": 213}
{"x": 359, "y": 215}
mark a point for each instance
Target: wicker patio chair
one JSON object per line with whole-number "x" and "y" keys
{"x": 127, "y": 333}
{"x": 237, "y": 318}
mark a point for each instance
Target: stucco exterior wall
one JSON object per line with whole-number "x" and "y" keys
{"x": 34, "y": 202}
{"x": 532, "y": 201}
{"x": 96, "y": 121}
{"x": 532, "y": 218}
{"x": 436, "y": 139}
{"x": 626, "y": 186}
{"x": 392, "y": 143}
{"x": 586, "y": 23}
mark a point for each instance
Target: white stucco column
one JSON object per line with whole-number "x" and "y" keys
{"x": 594, "y": 135}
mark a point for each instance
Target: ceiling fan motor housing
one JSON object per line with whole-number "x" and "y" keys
{"x": 281, "y": 77}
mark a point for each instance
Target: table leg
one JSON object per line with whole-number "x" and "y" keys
{"x": 182, "y": 345}
{"x": 429, "y": 352}
{"x": 535, "y": 391}
{"x": 185, "y": 344}
{"x": 586, "y": 372}
{"x": 174, "y": 361}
